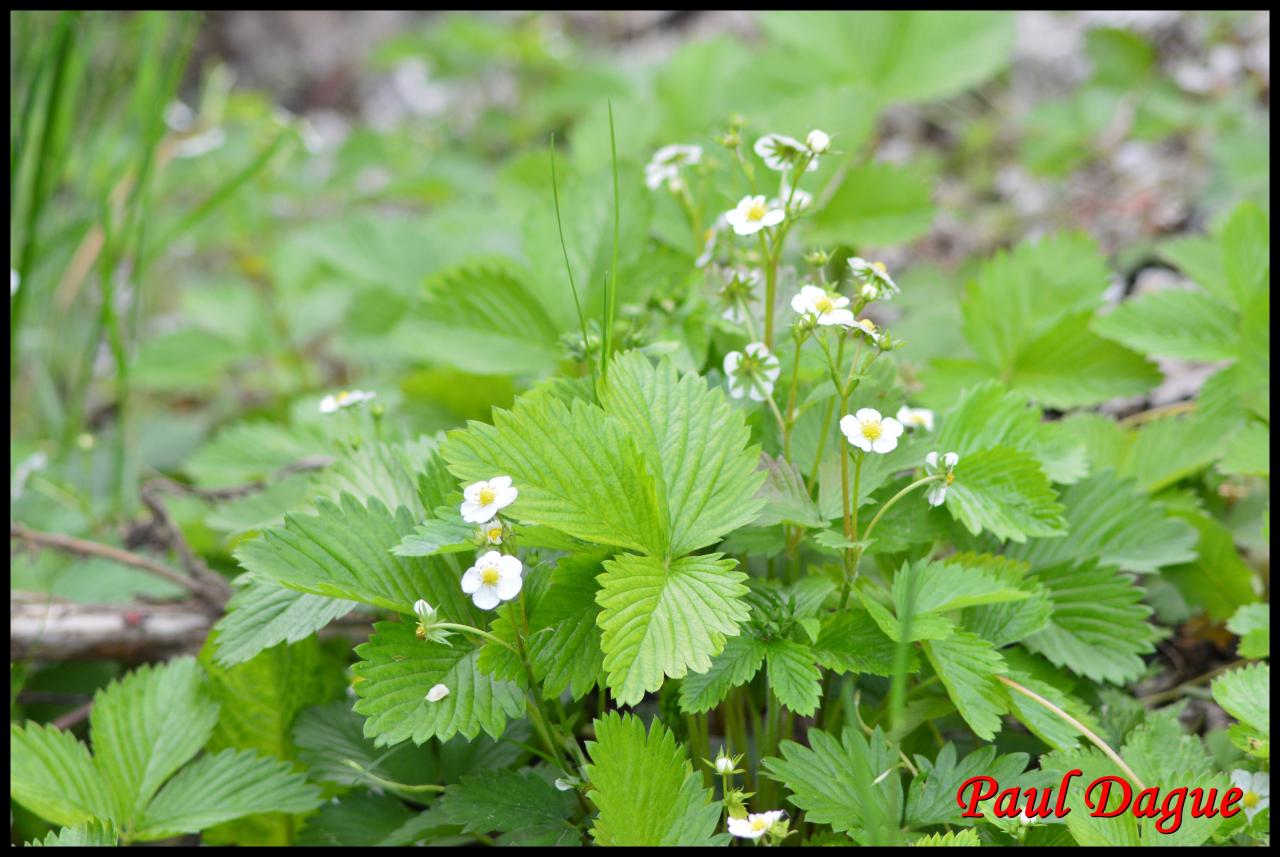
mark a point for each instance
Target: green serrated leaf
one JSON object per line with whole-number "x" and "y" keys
{"x": 794, "y": 677}
{"x": 53, "y": 775}
{"x": 968, "y": 666}
{"x": 645, "y": 788}
{"x": 643, "y": 604}
{"x": 1005, "y": 492}
{"x": 1177, "y": 323}
{"x": 1099, "y": 624}
{"x": 263, "y": 614}
{"x": 397, "y": 669}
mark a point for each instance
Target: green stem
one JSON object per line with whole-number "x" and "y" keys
{"x": 770, "y": 288}
{"x": 454, "y": 626}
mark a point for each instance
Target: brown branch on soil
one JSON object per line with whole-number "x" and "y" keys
{"x": 134, "y": 633}
{"x": 83, "y": 547}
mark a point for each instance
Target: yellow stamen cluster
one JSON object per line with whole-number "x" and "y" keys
{"x": 490, "y": 576}
{"x": 871, "y": 431}
{"x": 824, "y": 305}
{"x": 487, "y": 496}
{"x": 756, "y": 212}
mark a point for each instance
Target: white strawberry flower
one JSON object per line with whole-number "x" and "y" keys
{"x": 724, "y": 766}
{"x": 874, "y": 274}
{"x": 937, "y": 493}
{"x": 664, "y": 166}
{"x": 754, "y": 213}
{"x": 755, "y": 825}
{"x": 780, "y": 152}
{"x": 482, "y": 500}
{"x": 1256, "y": 788}
{"x": 493, "y": 579}
{"x": 752, "y": 373}
{"x": 344, "y": 399}
{"x": 916, "y": 417}
{"x": 818, "y": 141}
{"x": 827, "y": 308}
{"x": 868, "y": 327}
{"x": 870, "y": 432}
{"x": 437, "y": 693}
{"x": 492, "y": 533}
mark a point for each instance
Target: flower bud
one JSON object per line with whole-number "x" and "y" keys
{"x": 818, "y": 141}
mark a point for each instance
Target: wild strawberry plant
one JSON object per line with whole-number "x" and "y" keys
{"x": 735, "y": 567}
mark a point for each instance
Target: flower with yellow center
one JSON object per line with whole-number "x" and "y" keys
{"x": 1256, "y": 788}
{"x": 344, "y": 399}
{"x": 826, "y": 308}
{"x": 868, "y": 327}
{"x": 755, "y": 825}
{"x": 937, "y": 493}
{"x": 870, "y": 432}
{"x": 493, "y": 579}
{"x": 873, "y": 274}
{"x": 916, "y": 417}
{"x": 492, "y": 533}
{"x": 482, "y": 500}
{"x": 752, "y": 214}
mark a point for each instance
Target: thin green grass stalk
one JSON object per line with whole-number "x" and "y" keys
{"x": 564, "y": 248}
{"x": 611, "y": 286}
{"x": 45, "y": 173}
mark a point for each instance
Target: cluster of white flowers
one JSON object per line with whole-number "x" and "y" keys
{"x": 335, "y": 402}
{"x": 1256, "y": 788}
{"x": 756, "y": 824}
{"x": 876, "y": 284}
{"x": 663, "y": 168}
{"x": 831, "y": 310}
{"x": 870, "y": 432}
{"x": 753, "y": 373}
{"x": 495, "y": 577}
{"x": 937, "y": 493}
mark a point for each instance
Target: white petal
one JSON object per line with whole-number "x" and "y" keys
{"x": 474, "y": 513}
{"x": 860, "y": 442}
{"x": 950, "y": 460}
{"x": 867, "y": 415}
{"x": 841, "y": 317}
{"x": 891, "y": 427}
{"x": 500, "y": 482}
{"x": 884, "y": 444}
{"x": 471, "y": 580}
{"x": 486, "y": 598}
{"x": 838, "y": 301}
{"x": 508, "y": 587}
{"x": 506, "y": 496}
{"x": 510, "y": 566}
{"x": 850, "y": 426}
{"x": 773, "y": 217}
{"x": 931, "y": 461}
{"x": 736, "y": 390}
{"x": 936, "y": 494}
{"x": 731, "y": 361}
{"x": 437, "y": 693}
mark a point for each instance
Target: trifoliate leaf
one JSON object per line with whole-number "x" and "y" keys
{"x": 1005, "y": 492}
{"x": 1110, "y": 520}
{"x": 397, "y": 670}
{"x": 344, "y": 551}
{"x": 967, "y": 666}
{"x": 577, "y": 470}
{"x": 665, "y": 620}
{"x": 52, "y": 774}
{"x": 1099, "y": 624}
{"x": 146, "y": 725}
{"x": 1177, "y": 323}
{"x": 645, "y": 788}
{"x": 736, "y": 665}
{"x": 991, "y": 415}
{"x": 835, "y": 783}
{"x": 695, "y": 445}
{"x": 263, "y": 614}
{"x": 220, "y": 787}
